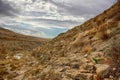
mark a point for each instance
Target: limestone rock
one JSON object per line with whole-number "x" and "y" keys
{"x": 102, "y": 70}
{"x": 119, "y": 78}
{"x": 88, "y": 68}
{"x": 108, "y": 79}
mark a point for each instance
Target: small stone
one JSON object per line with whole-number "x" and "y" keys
{"x": 97, "y": 54}
{"x": 90, "y": 67}
{"x": 95, "y": 77}
{"x": 108, "y": 79}
{"x": 76, "y": 66}
{"x": 114, "y": 69}
{"x": 63, "y": 70}
{"x": 84, "y": 76}
{"x": 85, "y": 60}
{"x": 111, "y": 77}
{"x": 46, "y": 70}
{"x": 18, "y": 56}
{"x": 85, "y": 55}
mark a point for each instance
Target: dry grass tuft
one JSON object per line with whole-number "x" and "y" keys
{"x": 114, "y": 54}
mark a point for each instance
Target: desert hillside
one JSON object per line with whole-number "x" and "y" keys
{"x": 14, "y": 52}
{"x": 12, "y": 41}
{"x": 90, "y": 51}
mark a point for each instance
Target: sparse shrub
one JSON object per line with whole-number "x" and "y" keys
{"x": 78, "y": 44}
{"x": 4, "y": 50}
{"x": 104, "y": 32}
{"x": 114, "y": 54}
{"x": 104, "y": 35}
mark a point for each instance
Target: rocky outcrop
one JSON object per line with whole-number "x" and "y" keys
{"x": 82, "y": 53}
{"x": 102, "y": 70}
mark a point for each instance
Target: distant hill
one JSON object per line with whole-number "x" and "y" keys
{"x": 17, "y": 42}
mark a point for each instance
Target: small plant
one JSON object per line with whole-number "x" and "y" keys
{"x": 95, "y": 60}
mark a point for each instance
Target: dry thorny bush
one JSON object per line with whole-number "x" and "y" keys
{"x": 114, "y": 54}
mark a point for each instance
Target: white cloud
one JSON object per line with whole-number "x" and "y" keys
{"x": 49, "y": 14}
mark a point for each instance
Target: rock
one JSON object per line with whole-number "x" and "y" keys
{"x": 88, "y": 67}
{"x": 85, "y": 60}
{"x": 95, "y": 77}
{"x": 111, "y": 77}
{"x": 46, "y": 70}
{"x": 119, "y": 78}
{"x": 102, "y": 70}
{"x": 84, "y": 76}
{"x": 75, "y": 66}
{"x": 108, "y": 79}
{"x": 63, "y": 70}
{"x": 18, "y": 56}
{"x": 97, "y": 54}
{"x": 20, "y": 77}
{"x": 86, "y": 55}
{"x": 66, "y": 78}
{"x": 84, "y": 71}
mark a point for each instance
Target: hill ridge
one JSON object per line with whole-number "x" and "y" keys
{"x": 10, "y": 39}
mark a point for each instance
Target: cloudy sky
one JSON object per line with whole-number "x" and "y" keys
{"x": 48, "y": 18}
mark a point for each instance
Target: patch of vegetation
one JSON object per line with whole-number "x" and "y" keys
{"x": 114, "y": 54}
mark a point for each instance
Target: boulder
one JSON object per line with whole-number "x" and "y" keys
{"x": 102, "y": 70}
{"x": 88, "y": 68}
{"x": 108, "y": 79}
{"x": 119, "y": 78}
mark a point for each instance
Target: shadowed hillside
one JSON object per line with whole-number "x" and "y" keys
{"x": 90, "y": 51}
{"x": 17, "y": 42}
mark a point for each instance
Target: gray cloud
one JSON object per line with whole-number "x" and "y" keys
{"x": 85, "y": 8}
{"x": 16, "y": 27}
{"x": 38, "y": 17}
{"x": 6, "y": 9}
{"x": 51, "y": 22}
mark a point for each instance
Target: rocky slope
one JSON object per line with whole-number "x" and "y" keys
{"x": 14, "y": 55}
{"x": 90, "y": 51}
